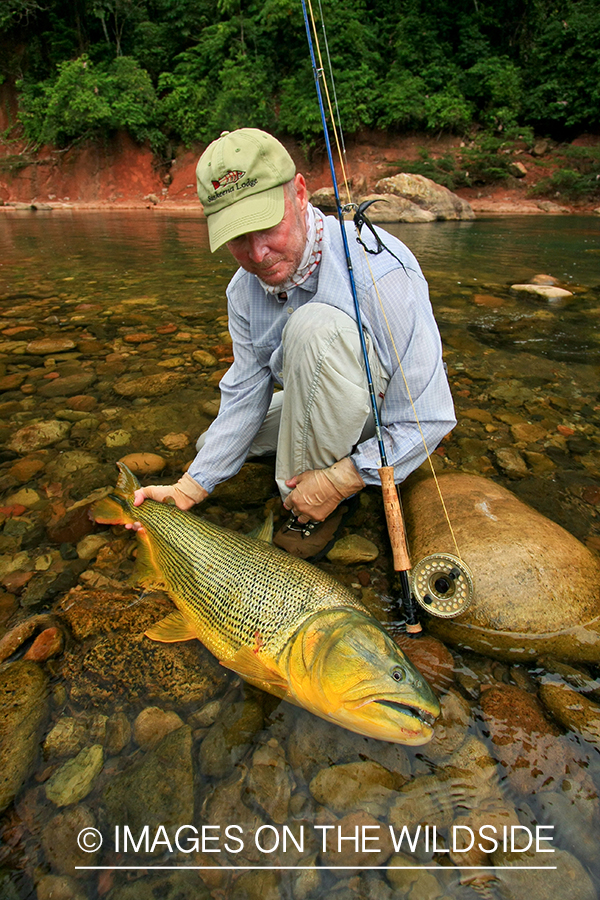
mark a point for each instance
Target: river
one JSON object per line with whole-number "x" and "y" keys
{"x": 132, "y": 307}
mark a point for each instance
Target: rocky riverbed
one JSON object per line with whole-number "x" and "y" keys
{"x": 101, "y": 728}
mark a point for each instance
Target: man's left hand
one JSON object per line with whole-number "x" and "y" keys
{"x": 317, "y": 492}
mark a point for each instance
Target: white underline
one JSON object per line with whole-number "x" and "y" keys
{"x": 311, "y": 868}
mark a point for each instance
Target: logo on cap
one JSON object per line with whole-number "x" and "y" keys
{"x": 229, "y": 178}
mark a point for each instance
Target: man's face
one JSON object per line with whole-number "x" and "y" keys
{"x": 275, "y": 253}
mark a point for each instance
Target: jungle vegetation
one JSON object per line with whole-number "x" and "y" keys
{"x": 180, "y": 71}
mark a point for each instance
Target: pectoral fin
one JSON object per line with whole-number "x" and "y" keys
{"x": 264, "y": 532}
{"x": 171, "y": 629}
{"x": 249, "y": 666}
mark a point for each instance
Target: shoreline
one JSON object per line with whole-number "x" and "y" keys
{"x": 482, "y": 207}
{"x": 123, "y": 175}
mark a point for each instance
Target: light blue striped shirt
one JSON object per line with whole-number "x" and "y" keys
{"x": 404, "y": 329}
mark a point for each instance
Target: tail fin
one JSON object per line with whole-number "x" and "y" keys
{"x": 116, "y": 509}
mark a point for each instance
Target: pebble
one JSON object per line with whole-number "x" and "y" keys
{"x": 353, "y": 549}
{"x": 152, "y": 724}
{"x": 27, "y": 468}
{"x": 511, "y": 462}
{"x": 50, "y": 345}
{"x": 150, "y": 386}
{"x": 364, "y": 785}
{"x": 143, "y": 464}
{"x": 450, "y": 728}
{"x": 118, "y": 733}
{"x": 74, "y": 781}
{"x": 39, "y": 435}
{"x": 59, "y": 839}
{"x": 376, "y": 849}
{"x": 157, "y": 789}
{"x": 68, "y": 385}
{"x": 204, "y": 359}
{"x": 269, "y": 783}
{"x": 175, "y": 441}
{"x": 88, "y": 547}
{"x": 546, "y": 292}
{"x": 46, "y": 645}
{"x": 574, "y": 711}
{"x": 66, "y": 738}
{"x": 119, "y": 438}
{"x": 431, "y": 657}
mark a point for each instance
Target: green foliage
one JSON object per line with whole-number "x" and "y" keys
{"x": 86, "y": 99}
{"x": 581, "y": 178}
{"x": 199, "y": 66}
{"x": 443, "y": 170}
{"x": 486, "y": 161}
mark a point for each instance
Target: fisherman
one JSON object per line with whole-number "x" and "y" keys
{"x": 292, "y": 322}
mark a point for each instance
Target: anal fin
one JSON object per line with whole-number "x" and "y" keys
{"x": 171, "y": 629}
{"x": 249, "y": 666}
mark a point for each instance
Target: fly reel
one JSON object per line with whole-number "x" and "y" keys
{"x": 443, "y": 585}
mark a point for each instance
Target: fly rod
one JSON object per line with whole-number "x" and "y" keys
{"x": 391, "y": 499}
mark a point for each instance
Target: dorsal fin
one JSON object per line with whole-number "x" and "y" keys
{"x": 127, "y": 483}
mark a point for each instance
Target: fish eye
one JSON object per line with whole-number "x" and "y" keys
{"x": 398, "y": 675}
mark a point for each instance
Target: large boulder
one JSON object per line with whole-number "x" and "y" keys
{"x": 537, "y": 588}
{"x": 427, "y": 194}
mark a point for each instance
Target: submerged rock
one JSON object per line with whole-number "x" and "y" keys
{"x": 158, "y": 790}
{"x": 59, "y": 840}
{"x": 39, "y": 435}
{"x": 74, "y": 781}
{"x": 153, "y": 724}
{"x": 23, "y": 713}
{"x": 537, "y": 588}
{"x": 365, "y": 786}
{"x": 354, "y": 548}
{"x": 573, "y": 711}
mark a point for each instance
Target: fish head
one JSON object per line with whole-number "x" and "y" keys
{"x": 345, "y": 667}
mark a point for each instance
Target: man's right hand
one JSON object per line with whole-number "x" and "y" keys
{"x": 185, "y": 493}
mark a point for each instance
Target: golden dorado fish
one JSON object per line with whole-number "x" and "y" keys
{"x": 280, "y": 622}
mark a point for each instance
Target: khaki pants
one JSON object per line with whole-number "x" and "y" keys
{"x": 324, "y": 410}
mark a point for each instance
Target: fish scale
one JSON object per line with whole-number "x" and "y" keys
{"x": 237, "y": 591}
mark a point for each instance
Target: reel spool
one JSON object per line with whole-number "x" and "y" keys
{"x": 443, "y": 585}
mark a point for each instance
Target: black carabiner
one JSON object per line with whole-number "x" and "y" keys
{"x": 360, "y": 219}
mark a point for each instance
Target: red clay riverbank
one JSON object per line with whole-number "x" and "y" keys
{"x": 124, "y": 175}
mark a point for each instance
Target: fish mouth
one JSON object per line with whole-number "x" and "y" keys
{"x": 420, "y": 715}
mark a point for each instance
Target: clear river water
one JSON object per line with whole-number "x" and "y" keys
{"x": 113, "y": 330}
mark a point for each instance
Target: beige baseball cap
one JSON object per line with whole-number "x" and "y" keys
{"x": 240, "y": 179}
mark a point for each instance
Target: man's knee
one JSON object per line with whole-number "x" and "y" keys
{"x": 314, "y": 329}
{"x": 316, "y": 320}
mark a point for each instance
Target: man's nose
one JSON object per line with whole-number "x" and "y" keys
{"x": 258, "y": 247}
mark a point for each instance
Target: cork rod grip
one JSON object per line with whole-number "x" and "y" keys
{"x": 395, "y": 521}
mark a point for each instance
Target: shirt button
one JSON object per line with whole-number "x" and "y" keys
{"x": 290, "y": 310}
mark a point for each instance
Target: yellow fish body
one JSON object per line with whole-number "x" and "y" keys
{"x": 279, "y": 622}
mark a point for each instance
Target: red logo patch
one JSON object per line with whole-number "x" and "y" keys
{"x": 228, "y": 178}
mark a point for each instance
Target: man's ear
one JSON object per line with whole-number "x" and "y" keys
{"x": 301, "y": 191}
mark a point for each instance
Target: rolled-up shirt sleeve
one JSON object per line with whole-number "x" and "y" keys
{"x": 417, "y": 410}
{"x": 246, "y": 392}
